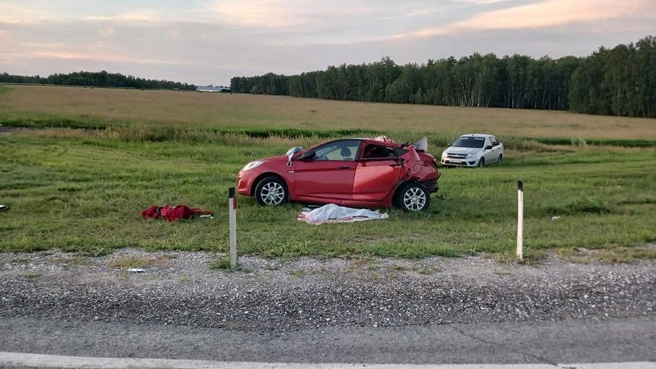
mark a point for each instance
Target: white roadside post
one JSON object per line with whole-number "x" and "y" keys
{"x": 520, "y": 220}
{"x": 232, "y": 212}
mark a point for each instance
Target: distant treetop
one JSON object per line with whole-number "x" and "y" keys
{"x": 97, "y": 79}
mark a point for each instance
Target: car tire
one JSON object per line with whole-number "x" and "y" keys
{"x": 412, "y": 197}
{"x": 271, "y": 191}
{"x": 481, "y": 163}
{"x": 500, "y": 158}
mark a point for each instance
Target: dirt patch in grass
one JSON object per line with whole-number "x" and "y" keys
{"x": 10, "y": 129}
{"x": 136, "y": 262}
{"x": 220, "y": 263}
{"x": 625, "y": 254}
{"x": 611, "y": 255}
{"x": 31, "y": 274}
{"x": 71, "y": 261}
{"x": 578, "y": 255}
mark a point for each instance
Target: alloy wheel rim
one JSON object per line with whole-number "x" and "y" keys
{"x": 414, "y": 199}
{"x": 272, "y": 193}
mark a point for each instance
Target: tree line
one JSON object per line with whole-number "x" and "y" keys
{"x": 97, "y": 79}
{"x": 618, "y": 81}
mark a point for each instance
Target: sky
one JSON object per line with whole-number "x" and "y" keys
{"x": 210, "y": 41}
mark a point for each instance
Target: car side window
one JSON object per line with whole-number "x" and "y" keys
{"x": 377, "y": 151}
{"x": 495, "y": 142}
{"x": 340, "y": 150}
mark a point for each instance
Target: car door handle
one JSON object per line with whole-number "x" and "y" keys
{"x": 344, "y": 167}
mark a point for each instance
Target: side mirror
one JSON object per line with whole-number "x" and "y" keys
{"x": 488, "y": 147}
{"x": 293, "y": 150}
{"x": 308, "y": 155}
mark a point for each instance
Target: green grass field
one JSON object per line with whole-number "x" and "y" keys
{"x": 83, "y": 189}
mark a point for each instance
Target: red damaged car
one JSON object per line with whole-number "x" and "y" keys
{"x": 353, "y": 172}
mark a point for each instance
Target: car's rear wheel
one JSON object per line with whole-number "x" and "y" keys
{"x": 481, "y": 163}
{"x": 413, "y": 197}
{"x": 271, "y": 191}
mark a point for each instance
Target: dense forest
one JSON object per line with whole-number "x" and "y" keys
{"x": 618, "y": 81}
{"x": 97, "y": 79}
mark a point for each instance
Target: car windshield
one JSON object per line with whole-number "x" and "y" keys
{"x": 471, "y": 142}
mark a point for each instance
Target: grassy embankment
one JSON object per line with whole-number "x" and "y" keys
{"x": 82, "y": 190}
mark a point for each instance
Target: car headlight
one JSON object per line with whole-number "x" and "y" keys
{"x": 469, "y": 156}
{"x": 252, "y": 164}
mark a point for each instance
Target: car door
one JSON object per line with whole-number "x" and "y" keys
{"x": 328, "y": 177}
{"x": 488, "y": 154}
{"x": 376, "y": 174}
{"x": 496, "y": 149}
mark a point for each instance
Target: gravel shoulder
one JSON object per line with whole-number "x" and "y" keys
{"x": 179, "y": 288}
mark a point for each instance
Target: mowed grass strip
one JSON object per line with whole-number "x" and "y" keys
{"x": 86, "y": 195}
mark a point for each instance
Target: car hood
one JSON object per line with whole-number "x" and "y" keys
{"x": 462, "y": 150}
{"x": 273, "y": 158}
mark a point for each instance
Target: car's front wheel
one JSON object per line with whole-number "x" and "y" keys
{"x": 271, "y": 191}
{"x": 412, "y": 196}
{"x": 481, "y": 163}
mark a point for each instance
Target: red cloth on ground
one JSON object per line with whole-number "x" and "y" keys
{"x": 172, "y": 214}
{"x": 151, "y": 212}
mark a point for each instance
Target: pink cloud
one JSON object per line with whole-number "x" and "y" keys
{"x": 26, "y": 15}
{"x": 262, "y": 13}
{"x": 545, "y": 14}
{"x": 47, "y": 45}
{"x": 286, "y": 13}
{"x": 482, "y": 2}
{"x": 96, "y": 52}
{"x": 134, "y": 17}
{"x": 106, "y": 57}
{"x": 107, "y": 32}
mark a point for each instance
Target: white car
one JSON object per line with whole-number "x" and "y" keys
{"x": 473, "y": 150}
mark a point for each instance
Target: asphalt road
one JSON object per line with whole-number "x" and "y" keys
{"x": 339, "y": 312}
{"x": 551, "y": 343}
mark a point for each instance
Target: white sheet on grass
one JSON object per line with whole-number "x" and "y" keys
{"x": 332, "y": 213}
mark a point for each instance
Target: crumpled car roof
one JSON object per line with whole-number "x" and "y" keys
{"x": 383, "y": 139}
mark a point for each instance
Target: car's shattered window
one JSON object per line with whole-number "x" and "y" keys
{"x": 376, "y": 151}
